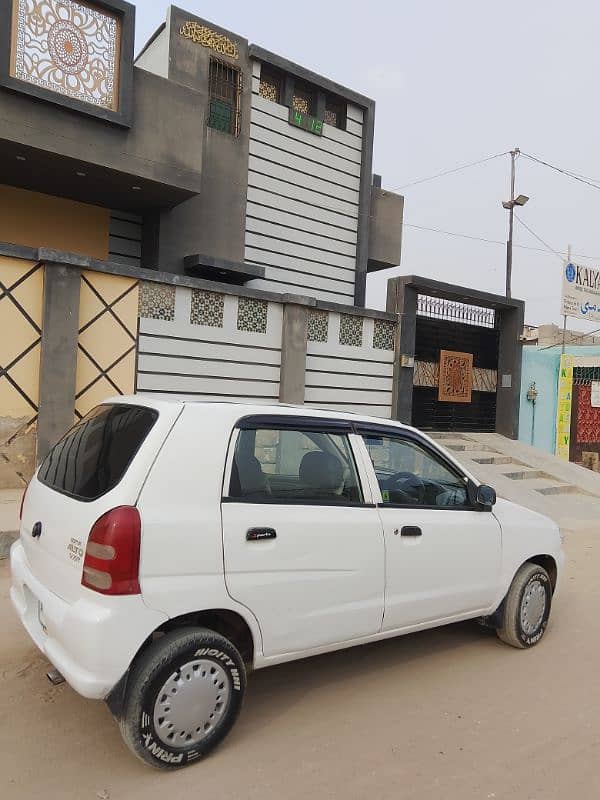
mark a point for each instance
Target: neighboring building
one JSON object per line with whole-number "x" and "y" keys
{"x": 547, "y": 335}
{"x": 539, "y": 401}
{"x": 201, "y": 222}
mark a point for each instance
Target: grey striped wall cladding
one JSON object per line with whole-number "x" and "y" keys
{"x": 125, "y": 238}
{"x": 216, "y": 347}
{"x": 350, "y": 363}
{"x": 302, "y": 205}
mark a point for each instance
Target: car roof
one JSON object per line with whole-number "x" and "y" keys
{"x": 235, "y": 409}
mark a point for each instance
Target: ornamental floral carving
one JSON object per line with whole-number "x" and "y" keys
{"x": 67, "y": 47}
{"x": 456, "y": 377}
{"x": 205, "y": 36}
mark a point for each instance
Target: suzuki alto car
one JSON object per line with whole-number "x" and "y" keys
{"x": 168, "y": 547}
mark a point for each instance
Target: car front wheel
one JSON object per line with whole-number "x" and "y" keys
{"x": 526, "y": 607}
{"x": 183, "y": 696}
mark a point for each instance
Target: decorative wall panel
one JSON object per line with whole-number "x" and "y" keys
{"x": 106, "y": 349}
{"x": 383, "y": 334}
{"x": 427, "y": 373}
{"x": 68, "y": 47}
{"x": 351, "y": 330}
{"x": 207, "y": 308}
{"x": 157, "y": 301}
{"x": 456, "y": 377}
{"x": 252, "y": 315}
{"x": 21, "y": 290}
{"x": 318, "y": 326}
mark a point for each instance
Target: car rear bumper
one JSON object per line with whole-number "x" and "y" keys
{"x": 92, "y": 641}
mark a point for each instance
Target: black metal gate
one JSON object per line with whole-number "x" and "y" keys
{"x": 449, "y": 325}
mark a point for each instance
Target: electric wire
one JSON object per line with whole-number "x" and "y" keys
{"x": 449, "y": 171}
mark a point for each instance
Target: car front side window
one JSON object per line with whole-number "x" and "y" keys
{"x": 411, "y": 475}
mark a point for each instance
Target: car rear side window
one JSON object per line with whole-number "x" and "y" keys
{"x": 92, "y": 457}
{"x": 294, "y": 466}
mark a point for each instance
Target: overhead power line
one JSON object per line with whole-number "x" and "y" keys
{"x": 574, "y": 175}
{"x": 546, "y": 249}
{"x": 539, "y": 238}
{"x": 450, "y": 171}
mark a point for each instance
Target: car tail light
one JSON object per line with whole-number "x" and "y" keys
{"x": 23, "y": 503}
{"x": 112, "y": 556}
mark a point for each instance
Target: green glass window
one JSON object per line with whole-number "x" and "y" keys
{"x": 224, "y": 87}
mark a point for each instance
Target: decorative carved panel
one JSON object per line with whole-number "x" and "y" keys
{"x": 205, "y": 36}
{"x": 68, "y": 47}
{"x": 456, "y": 377}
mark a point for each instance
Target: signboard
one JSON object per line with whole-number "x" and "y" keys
{"x": 595, "y": 399}
{"x": 563, "y": 410}
{"x": 581, "y": 292}
{"x": 305, "y": 121}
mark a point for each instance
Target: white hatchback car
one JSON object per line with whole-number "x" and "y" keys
{"x": 167, "y": 547}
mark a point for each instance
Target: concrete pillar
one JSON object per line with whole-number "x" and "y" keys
{"x": 58, "y": 360}
{"x": 402, "y": 300}
{"x": 293, "y": 353}
{"x": 509, "y": 370}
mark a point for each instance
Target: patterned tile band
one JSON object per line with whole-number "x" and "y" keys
{"x": 157, "y": 301}
{"x": 318, "y": 326}
{"x": 351, "y": 330}
{"x": 427, "y": 374}
{"x": 252, "y": 315}
{"x": 383, "y": 334}
{"x": 207, "y": 308}
{"x": 69, "y": 48}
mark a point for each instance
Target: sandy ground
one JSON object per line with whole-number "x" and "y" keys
{"x": 446, "y": 714}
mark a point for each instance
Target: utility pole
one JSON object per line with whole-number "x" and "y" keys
{"x": 564, "y": 315}
{"x": 510, "y": 207}
{"x": 511, "y": 211}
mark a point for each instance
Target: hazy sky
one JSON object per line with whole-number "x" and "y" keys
{"x": 455, "y": 82}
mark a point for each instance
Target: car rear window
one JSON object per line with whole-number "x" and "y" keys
{"x": 92, "y": 457}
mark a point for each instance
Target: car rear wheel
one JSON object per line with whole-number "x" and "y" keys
{"x": 183, "y": 695}
{"x": 526, "y": 607}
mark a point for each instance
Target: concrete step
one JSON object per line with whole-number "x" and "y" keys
{"x": 527, "y": 475}
{"x": 465, "y": 447}
{"x": 481, "y": 458}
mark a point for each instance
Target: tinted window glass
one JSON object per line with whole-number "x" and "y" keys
{"x": 294, "y": 466}
{"x": 94, "y": 455}
{"x": 408, "y": 474}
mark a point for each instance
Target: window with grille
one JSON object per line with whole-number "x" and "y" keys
{"x": 304, "y": 99}
{"x": 335, "y": 112}
{"x": 271, "y": 84}
{"x": 224, "y": 87}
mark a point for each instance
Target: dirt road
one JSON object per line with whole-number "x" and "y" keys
{"x": 450, "y": 714}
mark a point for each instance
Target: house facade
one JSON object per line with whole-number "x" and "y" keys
{"x": 200, "y": 221}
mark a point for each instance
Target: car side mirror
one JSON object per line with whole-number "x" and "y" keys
{"x": 485, "y": 497}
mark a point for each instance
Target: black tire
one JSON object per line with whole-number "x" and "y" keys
{"x": 512, "y": 631}
{"x": 201, "y": 652}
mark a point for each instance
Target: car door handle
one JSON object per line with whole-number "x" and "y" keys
{"x": 257, "y": 534}
{"x": 409, "y": 530}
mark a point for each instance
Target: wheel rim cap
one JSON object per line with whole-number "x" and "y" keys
{"x": 533, "y": 607}
{"x": 191, "y": 702}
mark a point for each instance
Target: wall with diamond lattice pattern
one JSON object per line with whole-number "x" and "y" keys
{"x": 106, "y": 347}
{"x": 21, "y": 290}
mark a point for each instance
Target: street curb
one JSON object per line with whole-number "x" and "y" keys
{"x": 6, "y": 540}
